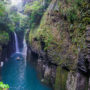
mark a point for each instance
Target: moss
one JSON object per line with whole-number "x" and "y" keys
{"x": 77, "y": 34}
{"x": 77, "y": 14}
{"x": 64, "y": 34}
{"x": 86, "y": 20}
{"x": 55, "y": 38}
{"x": 55, "y": 34}
{"x": 61, "y": 77}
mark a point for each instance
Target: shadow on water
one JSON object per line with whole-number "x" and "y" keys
{"x": 20, "y": 75}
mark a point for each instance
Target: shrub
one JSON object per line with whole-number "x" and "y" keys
{"x": 35, "y": 12}
{"x": 2, "y": 9}
{"x": 4, "y": 38}
{"x": 4, "y": 86}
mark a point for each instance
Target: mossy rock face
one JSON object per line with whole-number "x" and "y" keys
{"x": 63, "y": 33}
{"x": 61, "y": 78}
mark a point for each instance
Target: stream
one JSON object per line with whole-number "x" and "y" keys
{"x": 20, "y": 74}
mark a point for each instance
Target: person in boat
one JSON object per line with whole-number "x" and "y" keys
{"x": 18, "y": 58}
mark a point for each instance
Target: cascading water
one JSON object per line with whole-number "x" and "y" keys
{"x": 24, "y": 51}
{"x": 16, "y": 42}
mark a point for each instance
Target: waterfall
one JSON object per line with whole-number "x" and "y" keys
{"x": 16, "y": 42}
{"x": 24, "y": 51}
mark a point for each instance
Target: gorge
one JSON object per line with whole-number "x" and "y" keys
{"x": 45, "y": 44}
{"x": 20, "y": 75}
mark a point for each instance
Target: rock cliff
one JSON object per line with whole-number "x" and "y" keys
{"x": 59, "y": 47}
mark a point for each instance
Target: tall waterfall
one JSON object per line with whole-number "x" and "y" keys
{"x": 16, "y": 42}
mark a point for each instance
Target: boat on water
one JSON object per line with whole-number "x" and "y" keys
{"x": 18, "y": 58}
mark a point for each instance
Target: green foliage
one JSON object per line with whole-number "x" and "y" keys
{"x": 5, "y": 22}
{"x": 77, "y": 14}
{"x": 24, "y": 22}
{"x": 48, "y": 38}
{"x": 77, "y": 34}
{"x": 74, "y": 10}
{"x": 4, "y": 38}
{"x": 3, "y": 86}
{"x": 2, "y": 9}
{"x": 15, "y": 18}
{"x": 18, "y": 21}
{"x": 35, "y": 18}
{"x": 35, "y": 12}
{"x": 71, "y": 15}
{"x": 11, "y": 26}
{"x": 86, "y": 20}
{"x": 36, "y": 5}
{"x": 10, "y": 20}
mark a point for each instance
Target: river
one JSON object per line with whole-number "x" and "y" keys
{"x": 20, "y": 75}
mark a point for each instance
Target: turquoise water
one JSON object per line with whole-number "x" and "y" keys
{"x": 20, "y": 75}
